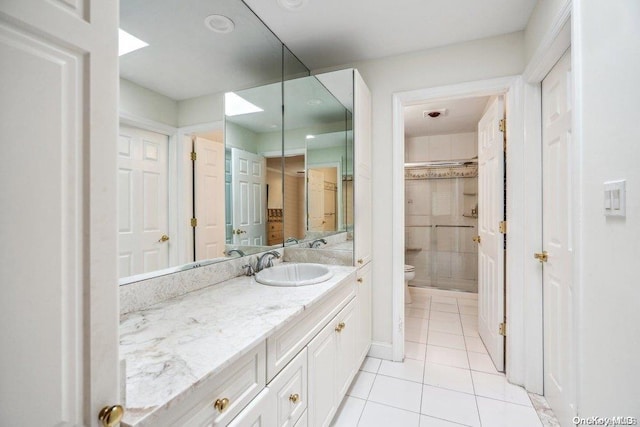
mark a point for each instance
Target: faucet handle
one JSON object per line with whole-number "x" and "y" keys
{"x": 248, "y": 270}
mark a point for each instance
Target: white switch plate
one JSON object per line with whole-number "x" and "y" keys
{"x": 615, "y": 196}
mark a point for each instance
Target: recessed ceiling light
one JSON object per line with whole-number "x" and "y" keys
{"x": 128, "y": 43}
{"x": 292, "y": 4}
{"x": 235, "y": 105}
{"x": 314, "y": 101}
{"x": 310, "y": 137}
{"x": 219, "y": 23}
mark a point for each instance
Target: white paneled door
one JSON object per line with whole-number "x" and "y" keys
{"x": 209, "y": 198}
{"x": 249, "y": 193}
{"x": 59, "y": 126}
{"x": 491, "y": 241}
{"x": 559, "y": 377}
{"x": 143, "y": 209}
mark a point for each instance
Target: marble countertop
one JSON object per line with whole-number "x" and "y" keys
{"x": 173, "y": 345}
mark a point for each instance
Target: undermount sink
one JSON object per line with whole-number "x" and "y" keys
{"x": 294, "y": 275}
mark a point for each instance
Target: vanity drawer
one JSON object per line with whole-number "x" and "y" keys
{"x": 290, "y": 389}
{"x": 285, "y": 343}
{"x": 302, "y": 422}
{"x": 239, "y": 384}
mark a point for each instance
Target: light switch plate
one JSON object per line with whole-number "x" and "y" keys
{"x": 615, "y": 196}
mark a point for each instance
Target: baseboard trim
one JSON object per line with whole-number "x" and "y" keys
{"x": 381, "y": 350}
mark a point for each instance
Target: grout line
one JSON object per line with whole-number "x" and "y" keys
{"x": 473, "y": 385}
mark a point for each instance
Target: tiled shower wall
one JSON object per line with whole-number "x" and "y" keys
{"x": 438, "y": 225}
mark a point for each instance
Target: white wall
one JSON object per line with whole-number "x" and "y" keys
{"x": 539, "y": 24}
{"x": 203, "y": 109}
{"x": 144, "y": 103}
{"x": 606, "y": 63}
{"x": 476, "y": 60}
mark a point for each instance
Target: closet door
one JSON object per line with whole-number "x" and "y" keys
{"x": 363, "y": 226}
{"x": 59, "y": 126}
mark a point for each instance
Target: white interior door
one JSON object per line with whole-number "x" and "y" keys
{"x": 59, "y": 296}
{"x": 249, "y": 184}
{"x": 491, "y": 245}
{"x": 209, "y": 198}
{"x": 143, "y": 207}
{"x": 556, "y": 237}
{"x": 315, "y": 203}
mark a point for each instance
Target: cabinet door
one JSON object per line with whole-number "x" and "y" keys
{"x": 363, "y": 294}
{"x": 362, "y": 171}
{"x": 322, "y": 356}
{"x": 346, "y": 340}
{"x": 59, "y": 294}
{"x": 261, "y": 412}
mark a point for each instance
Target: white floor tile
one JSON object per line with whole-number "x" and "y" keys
{"x": 447, "y": 356}
{"x": 361, "y": 385}
{"x": 417, "y": 303}
{"x": 482, "y": 362}
{"x": 415, "y": 322}
{"x": 470, "y": 331}
{"x": 444, "y": 316}
{"x": 447, "y": 327}
{"x": 475, "y": 345}
{"x": 377, "y": 415}
{"x": 426, "y": 421}
{"x": 349, "y": 412}
{"x": 445, "y": 300}
{"x": 442, "y": 339}
{"x": 496, "y": 413}
{"x": 450, "y": 405}
{"x": 414, "y": 350}
{"x": 410, "y": 369}
{"x": 497, "y": 387}
{"x": 395, "y": 392}
{"x": 439, "y": 306}
{"x": 416, "y": 334}
{"x": 468, "y": 309}
{"x": 422, "y": 313}
{"x": 473, "y": 302}
{"x": 371, "y": 364}
{"x": 469, "y": 319}
{"x": 448, "y": 377}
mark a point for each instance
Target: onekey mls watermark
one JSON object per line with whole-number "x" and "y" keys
{"x": 605, "y": 421}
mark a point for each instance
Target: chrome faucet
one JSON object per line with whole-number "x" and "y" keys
{"x": 266, "y": 260}
{"x": 292, "y": 239}
{"x": 238, "y": 251}
{"x": 316, "y": 243}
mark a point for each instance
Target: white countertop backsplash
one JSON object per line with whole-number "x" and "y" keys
{"x": 173, "y": 345}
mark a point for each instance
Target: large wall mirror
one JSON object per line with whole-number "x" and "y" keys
{"x": 207, "y": 161}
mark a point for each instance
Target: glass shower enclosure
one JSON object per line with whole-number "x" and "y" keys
{"x": 441, "y": 219}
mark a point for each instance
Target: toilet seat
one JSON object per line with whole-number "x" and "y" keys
{"x": 408, "y": 267}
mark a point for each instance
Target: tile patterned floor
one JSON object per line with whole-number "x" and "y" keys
{"x": 446, "y": 379}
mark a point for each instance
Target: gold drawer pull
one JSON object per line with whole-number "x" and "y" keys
{"x": 294, "y": 398}
{"x": 340, "y": 327}
{"x": 360, "y": 280}
{"x": 360, "y": 261}
{"x": 111, "y": 415}
{"x": 221, "y": 404}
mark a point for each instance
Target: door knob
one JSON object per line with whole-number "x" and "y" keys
{"x": 111, "y": 415}
{"x": 164, "y": 238}
{"x": 239, "y": 231}
{"x": 476, "y": 239}
{"x": 541, "y": 256}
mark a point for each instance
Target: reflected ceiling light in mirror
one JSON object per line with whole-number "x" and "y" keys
{"x": 128, "y": 43}
{"x": 219, "y": 24}
{"x": 292, "y": 4}
{"x": 310, "y": 137}
{"x": 314, "y": 101}
{"x": 235, "y": 105}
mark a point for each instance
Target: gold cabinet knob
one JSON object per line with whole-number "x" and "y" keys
{"x": 476, "y": 239}
{"x": 360, "y": 280}
{"x": 340, "y": 327}
{"x": 111, "y": 415}
{"x": 294, "y": 398}
{"x": 360, "y": 261}
{"x": 541, "y": 256}
{"x": 221, "y": 404}
{"x": 164, "y": 238}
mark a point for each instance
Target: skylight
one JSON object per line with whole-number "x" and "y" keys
{"x": 234, "y": 105}
{"x": 128, "y": 43}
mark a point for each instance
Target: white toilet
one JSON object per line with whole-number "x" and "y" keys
{"x": 409, "y": 274}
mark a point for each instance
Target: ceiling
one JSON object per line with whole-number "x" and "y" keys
{"x": 462, "y": 115}
{"x": 326, "y": 33}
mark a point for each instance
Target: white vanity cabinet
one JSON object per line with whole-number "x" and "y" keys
{"x": 363, "y": 298}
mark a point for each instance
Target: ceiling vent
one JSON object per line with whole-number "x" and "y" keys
{"x": 434, "y": 113}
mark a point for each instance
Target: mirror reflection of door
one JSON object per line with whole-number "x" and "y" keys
{"x": 322, "y": 203}
{"x": 315, "y": 200}
{"x": 143, "y": 241}
{"x": 249, "y": 188}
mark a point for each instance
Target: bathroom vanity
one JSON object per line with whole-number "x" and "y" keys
{"x": 240, "y": 351}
